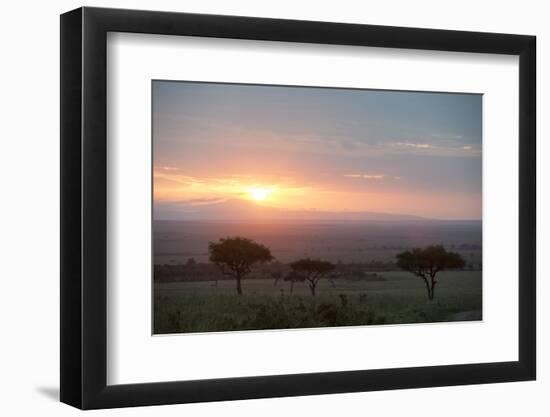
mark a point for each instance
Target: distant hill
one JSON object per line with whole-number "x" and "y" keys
{"x": 243, "y": 210}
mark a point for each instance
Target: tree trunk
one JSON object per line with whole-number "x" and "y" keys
{"x": 433, "y": 291}
{"x": 432, "y": 286}
{"x": 239, "y": 288}
{"x": 429, "y": 289}
{"x": 312, "y": 288}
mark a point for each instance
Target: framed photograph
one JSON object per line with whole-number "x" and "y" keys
{"x": 258, "y": 208}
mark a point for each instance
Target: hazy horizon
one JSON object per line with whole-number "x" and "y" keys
{"x": 241, "y": 210}
{"x": 275, "y": 150}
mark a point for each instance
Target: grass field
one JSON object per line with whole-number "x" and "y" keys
{"x": 182, "y": 307}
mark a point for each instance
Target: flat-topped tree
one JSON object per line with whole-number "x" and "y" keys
{"x": 235, "y": 256}
{"x": 426, "y": 263}
{"x": 276, "y": 277}
{"x": 294, "y": 277}
{"x": 313, "y": 270}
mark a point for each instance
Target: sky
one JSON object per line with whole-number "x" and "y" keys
{"x": 307, "y": 148}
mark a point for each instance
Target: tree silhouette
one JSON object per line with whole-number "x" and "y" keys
{"x": 276, "y": 276}
{"x": 313, "y": 270}
{"x": 235, "y": 256}
{"x": 426, "y": 263}
{"x": 293, "y": 277}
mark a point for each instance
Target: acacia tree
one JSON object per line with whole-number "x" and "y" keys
{"x": 276, "y": 277}
{"x": 293, "y": 277}
{"x": 312, "y": 270}
{"x": 235, "y": 256}
{"x": 426, "y": 263}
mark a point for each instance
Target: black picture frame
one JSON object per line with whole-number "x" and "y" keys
{"x": 84, "y": 207}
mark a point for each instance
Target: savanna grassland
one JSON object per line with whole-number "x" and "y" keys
{"x": 394, "y": 297}
{"x": 364, "y": 284}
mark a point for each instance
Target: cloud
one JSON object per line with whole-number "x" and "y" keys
{"x": 187, "y": 180}
{"x": 413, "y": 145}
{"x": 445, "y": 148}
{"x": 167, "y": 168}
{"x": 366, "y": 176}
{"x": 199, "y": 201}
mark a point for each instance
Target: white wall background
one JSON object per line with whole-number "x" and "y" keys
{"x": 29, "y": 226}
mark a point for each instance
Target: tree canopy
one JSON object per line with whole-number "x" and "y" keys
{"x": 236, "y": 255}
{"x": 426, "y": 263}
{"x": 293, "y": 277}
{"x": 312, "y": 270}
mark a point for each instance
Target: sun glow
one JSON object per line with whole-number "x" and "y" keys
{"x": 259, "y": 193}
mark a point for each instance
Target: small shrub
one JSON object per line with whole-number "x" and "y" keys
{"x": 174, "y": 319}
{"x": 343, "y": 300}
{"x": 327, "y": 313}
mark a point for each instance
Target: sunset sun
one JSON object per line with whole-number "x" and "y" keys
{"x": 259, "y": 193}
